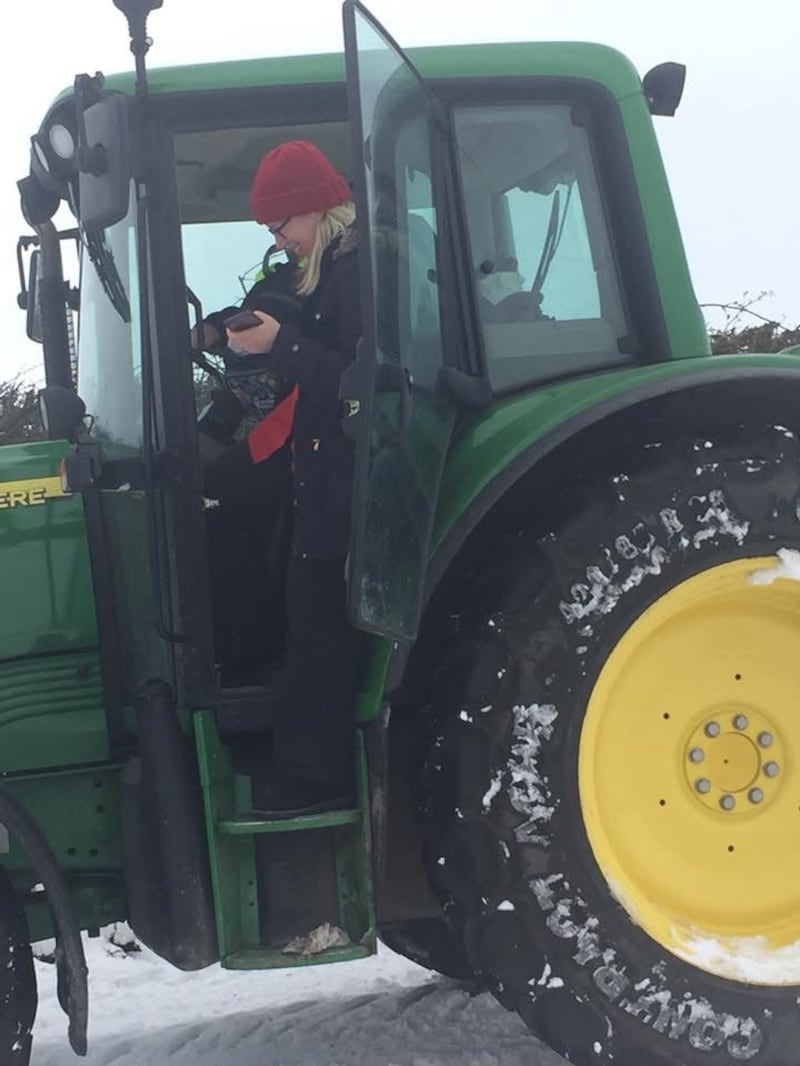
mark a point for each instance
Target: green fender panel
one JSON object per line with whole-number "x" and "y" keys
{"x": 510, "y": 438}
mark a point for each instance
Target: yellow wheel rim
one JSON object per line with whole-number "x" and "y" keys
{"x": 688, "y": 772}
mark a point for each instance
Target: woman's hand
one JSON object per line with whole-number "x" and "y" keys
{"x": 210, "y": 335}
{"x": 259, "y": 339}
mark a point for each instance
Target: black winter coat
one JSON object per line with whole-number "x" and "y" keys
{"x": 310, "y": 356}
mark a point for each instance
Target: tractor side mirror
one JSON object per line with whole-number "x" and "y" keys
{"x": 104, "y": 162}
{"x": 663, "y": 88}
{"x": 33, "y": 306}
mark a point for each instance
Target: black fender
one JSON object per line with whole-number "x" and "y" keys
{"x": 73, "y": 988}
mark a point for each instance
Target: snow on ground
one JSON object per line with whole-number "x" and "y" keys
{"x": 383, "y": 1011}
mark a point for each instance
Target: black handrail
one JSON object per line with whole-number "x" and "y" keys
{"x": 73, "y": 986}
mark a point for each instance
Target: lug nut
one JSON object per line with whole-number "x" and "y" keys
{"x": 697, "y": 755}
{"x": 765, "y": 739}
{"x": 703, "y": 785}
{"x": 755, "y": 795}
{"x": 712, "y": 729}
{"x": 740, "y": 721}
{"x": 727, "y": 803}
{"x": 771, "y": 769}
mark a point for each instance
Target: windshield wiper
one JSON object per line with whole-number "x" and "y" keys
{"x": 103, "y": 261}
{"x": 555, "y": 231}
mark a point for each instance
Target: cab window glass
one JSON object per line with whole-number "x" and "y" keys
{"x": 547, "y": 285}
{"x": 407, "y": 295}
{"x": 109, "y": 352}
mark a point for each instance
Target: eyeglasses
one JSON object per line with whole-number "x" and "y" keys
{"x": 277, "y": 231}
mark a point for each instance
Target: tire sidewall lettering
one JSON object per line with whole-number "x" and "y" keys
{"x": 601, "y": 571}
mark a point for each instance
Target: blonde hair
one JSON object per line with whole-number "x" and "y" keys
{"x": 333, "y": 223}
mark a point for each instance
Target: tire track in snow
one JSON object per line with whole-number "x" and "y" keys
{"x": 383, "y": 1012}
{"x": 390, "y": 1030}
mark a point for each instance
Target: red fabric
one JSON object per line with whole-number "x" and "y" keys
{"x": 272, "y": 432}
{"x": 294, "y": 179}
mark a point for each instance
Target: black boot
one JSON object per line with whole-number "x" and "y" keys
{"x": 295, "y": 798}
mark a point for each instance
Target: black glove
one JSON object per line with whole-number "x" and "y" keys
{"x": 220, "y": 418}
{"x": 229, "y": 476}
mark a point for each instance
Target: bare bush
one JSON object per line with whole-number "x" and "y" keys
{"x": 19, "y": 413}
{"x": 746, "y": 330}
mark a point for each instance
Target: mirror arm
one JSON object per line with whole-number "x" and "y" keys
{"x": 23, "y": 244}
{"x": 52, "y": 299}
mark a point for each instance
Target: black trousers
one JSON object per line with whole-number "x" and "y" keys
{"x": 314, "y": 710}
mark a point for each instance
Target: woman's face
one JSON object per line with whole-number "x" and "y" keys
{"x": 296, "y": 234}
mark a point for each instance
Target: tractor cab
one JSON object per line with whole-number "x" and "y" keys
{"x": 549, "y": 471}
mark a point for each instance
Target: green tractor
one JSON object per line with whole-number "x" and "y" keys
{"x": 574, "y": 562}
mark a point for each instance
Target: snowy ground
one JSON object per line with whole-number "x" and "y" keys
{"x": 383, "y": 1011}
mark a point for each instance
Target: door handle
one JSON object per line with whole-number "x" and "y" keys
{"x": 393, "y": 377}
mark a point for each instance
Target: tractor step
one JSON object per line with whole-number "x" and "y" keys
{"x": 249, "y": 824}
{"x": 277, "y": 879}
{"x": 275, "y": 958}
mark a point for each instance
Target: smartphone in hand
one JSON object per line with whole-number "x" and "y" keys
{"x": 241, "y": 321}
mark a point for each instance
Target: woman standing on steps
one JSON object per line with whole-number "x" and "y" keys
{"x": 305, "y": 203}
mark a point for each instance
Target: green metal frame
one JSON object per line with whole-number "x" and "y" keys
{"x": 232, "y": 829}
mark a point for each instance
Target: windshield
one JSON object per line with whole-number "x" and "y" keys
{"x": 109, "y": 352}
{"x": 223, "y": 260}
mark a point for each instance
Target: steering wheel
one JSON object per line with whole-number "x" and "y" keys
{"x": 199, "y": 357}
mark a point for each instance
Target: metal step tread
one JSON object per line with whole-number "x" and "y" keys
{"x": 250, "y": 824}
{"x": 265, "y": 958}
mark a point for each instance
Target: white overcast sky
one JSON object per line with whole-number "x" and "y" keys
{"x": 732, "y": 152}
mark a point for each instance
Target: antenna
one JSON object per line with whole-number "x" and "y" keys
{"x": 136, "y": 12}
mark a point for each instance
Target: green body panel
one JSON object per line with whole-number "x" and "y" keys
{"x": 78, "y": 811}
{"x": 46, "y": 604}
{"x": 87, "y": 801}
{"x": 51, "y": 712}
{"x": 51, "y": 701}
{"x": 495, "y": 439}
{"x": 687, "y": 331}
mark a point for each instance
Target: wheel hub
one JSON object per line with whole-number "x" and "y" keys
{"x": 688, "y": 792}
{"x": 733, "y": 762}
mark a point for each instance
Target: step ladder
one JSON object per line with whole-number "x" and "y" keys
{"x": 246, "y": 939}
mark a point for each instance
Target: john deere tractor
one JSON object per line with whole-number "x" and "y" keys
{"x": 574, "y": 561}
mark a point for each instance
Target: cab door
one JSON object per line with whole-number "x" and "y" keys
{"x": 396, "y": 410}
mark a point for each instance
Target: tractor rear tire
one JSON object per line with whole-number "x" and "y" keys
{"x": 18, "y": 999}
{"x": 595, "y": 669}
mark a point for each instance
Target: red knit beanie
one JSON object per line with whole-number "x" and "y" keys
{"x": 294, "y": 179}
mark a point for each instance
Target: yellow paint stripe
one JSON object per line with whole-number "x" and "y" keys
{"x": 30, "y": 492}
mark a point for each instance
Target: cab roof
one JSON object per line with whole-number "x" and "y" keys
{"x": 593, "y": 62}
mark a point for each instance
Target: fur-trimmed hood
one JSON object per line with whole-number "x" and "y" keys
{"x": 346, "y": 242}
